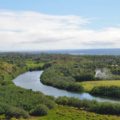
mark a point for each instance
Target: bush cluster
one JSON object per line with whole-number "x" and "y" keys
{"x": 11, "y": 111}
{"x": 93, "y": 106}
{"x": 106, "y": 91}
{"x": 39, "y": 110}
{"x": 56, "y": 79}
{"x": 21, "y": 102}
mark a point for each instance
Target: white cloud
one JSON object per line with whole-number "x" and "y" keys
{"x": 36, "y": 31}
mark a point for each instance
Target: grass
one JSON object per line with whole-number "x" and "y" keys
{"x": 70, "y": 113}
{"x": 31, "y": 64}
{"x": 90, "y": 84}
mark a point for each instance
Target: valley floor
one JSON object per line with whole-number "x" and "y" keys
{"x": 89, "y": 85}
{"x": 70, "y": 113}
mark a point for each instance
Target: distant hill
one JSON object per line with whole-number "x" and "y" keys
{"x": 85, "y": 52}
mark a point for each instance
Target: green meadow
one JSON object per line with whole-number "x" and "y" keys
{"x": 71, "y": 113}
{"x": 89, "y": 85}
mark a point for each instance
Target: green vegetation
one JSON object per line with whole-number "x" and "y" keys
{"x": 34, "y": 65}
{"x": 11, "y": 111}
{"x": 89, "y": 85}
{"x": 93, "y": 106}
{"x": 54, "y": 78}
{"x": 39, "y": 110}
{"x": 71, "y": 113}
{"x": 72, "y": 73}
{"x": 21, "y": 101}
{"x": 82, "y": 73}
{"x": 14, "y": 101}
{"x": 106, "y": 91}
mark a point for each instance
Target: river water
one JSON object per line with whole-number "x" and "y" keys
{"x": 31, "y": 80}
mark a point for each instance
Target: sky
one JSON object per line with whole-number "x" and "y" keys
{"x": 30, "y": 25}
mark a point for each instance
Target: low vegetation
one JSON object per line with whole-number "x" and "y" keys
{"x": 14, "y": 101}
{"x": 71, "y": 113}
{"x": 22, "y": 102}
{"x": 39, "y": 110}
{"x": 93, "y": 106}
{"x": 107, "y": 91}
{"x": 72, "y": 73}
{"x": 89, "y": 85}
{"x": 54, "y": 78}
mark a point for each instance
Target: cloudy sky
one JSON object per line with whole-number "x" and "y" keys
{"x": 59, "y": 24}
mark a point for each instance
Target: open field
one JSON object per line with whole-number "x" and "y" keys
{"x": 33, "y": 64}
{"x": 70, "y": 113}
{"x": 88, "y": 85}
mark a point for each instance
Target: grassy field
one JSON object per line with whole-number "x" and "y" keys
{"x": 31, "y": 64}
{"x": 90, "y": 84}
{"x": 70, "y": 113}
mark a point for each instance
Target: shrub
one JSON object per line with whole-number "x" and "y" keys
{"x": 107, "y": 91}
{"x": 21, "y": 100}
{"x": 84, "y": 77}
{"x": 39, "y": 110}
{"x": 75, "y": 87}
{"x": 10, "y": 111}
{"x": 50, "y": 104}
{"x": 62, "y": 100}
{"x": 106, "y": 108}
{"x": 101, "y": 108}
{"x": 16, "y": 112}
{"x": 3, "y": 108}
{"x": 52, "y": 78}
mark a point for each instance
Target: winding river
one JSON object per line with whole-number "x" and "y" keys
{"x": 31, "y": 80}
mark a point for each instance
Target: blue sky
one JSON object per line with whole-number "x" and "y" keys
{"x": 98, "y": 15}
{"x": 105, "y": 12}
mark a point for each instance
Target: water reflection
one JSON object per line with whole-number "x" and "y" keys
{"x": 31, "y": 80}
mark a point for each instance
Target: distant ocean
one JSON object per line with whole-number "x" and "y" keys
{"x": 86, "y": 52}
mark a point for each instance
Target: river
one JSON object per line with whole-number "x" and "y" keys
{"x": 31, "y": 80}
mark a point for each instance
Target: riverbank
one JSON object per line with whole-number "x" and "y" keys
{"x": 31, "y": 80}
{"x": 84, "y": 74}
{"x": 21, "y": 103}
{"x": 71, "y": 113}
{"x": 14, "y": 63}
{"x": 89, "y": 85}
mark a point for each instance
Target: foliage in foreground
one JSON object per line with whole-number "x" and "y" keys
{"x": 93, "y": 106}
{"x": 39, "y": 110}
{"x": 71, "y": 113}
{"x": 11, "y": 111}
{"x": 17, "y": 102}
